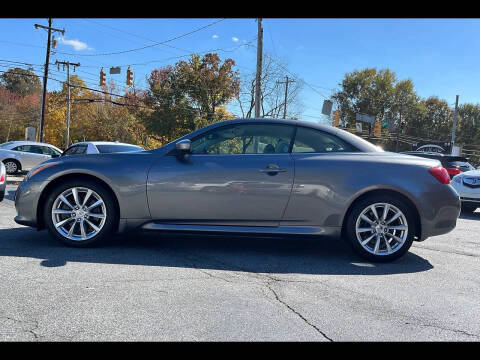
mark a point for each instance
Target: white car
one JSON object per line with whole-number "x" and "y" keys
{"x": 100, "y": 147}
{"x": 467, "y": 185}
{"x": 25, "y": 155}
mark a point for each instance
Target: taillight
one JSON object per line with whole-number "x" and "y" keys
{"x": 2, "y": 178}
{"x": 441, "y": 174}
{"x": 453, "y": 171}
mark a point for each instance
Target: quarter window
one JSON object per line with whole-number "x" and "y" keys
{"x": 316, "y": 141}
{"x": 245, "y": 139}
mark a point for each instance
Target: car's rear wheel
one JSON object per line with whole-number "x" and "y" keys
{"x": 381, "y": 228}
{"x": 12, "y": 166}
{"x": 469, "y": 208}
{"x": 80, "y": 213}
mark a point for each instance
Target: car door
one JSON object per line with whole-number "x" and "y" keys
{"x": 238, "y": 174}
{"x": 30, "y": 156}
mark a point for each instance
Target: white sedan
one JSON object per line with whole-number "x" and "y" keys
{"x": 467, "y": 185}
{"x": 100, "y": 147}
{"x": 24, "y": 155}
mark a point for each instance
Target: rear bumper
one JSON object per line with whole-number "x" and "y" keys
{"x": 439, "y": 212}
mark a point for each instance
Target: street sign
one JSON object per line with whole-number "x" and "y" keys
{"x": 327, "y": 107}
{"x": 358, "y": 127}
{"x": 115, "y": 70}
{"x": 365, "y": 118}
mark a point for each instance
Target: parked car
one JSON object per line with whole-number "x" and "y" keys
{"x": 255, "y": 176}
{"x": 24, "y": 155}
{"x": 467, "y": 185}
{"x": 3, "y": 181}
{"x": 100, "y": 147}
{"x": 454, "y": 164}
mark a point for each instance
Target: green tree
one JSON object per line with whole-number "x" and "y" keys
{"x": 21, "y": 81}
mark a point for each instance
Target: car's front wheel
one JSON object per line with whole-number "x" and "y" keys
{"x": 80, "y": 213}
{"x": 381, "y": 228}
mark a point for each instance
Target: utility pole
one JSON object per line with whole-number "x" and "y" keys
{"x": 287, "y": 80}
{"x": 67, "y": 63}
{"x": 259, "y": 67}
{"x": 45, "y": 76}
{"x": 454, "y": 122}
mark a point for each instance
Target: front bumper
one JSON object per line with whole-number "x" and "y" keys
{"x": 26, "y": 202}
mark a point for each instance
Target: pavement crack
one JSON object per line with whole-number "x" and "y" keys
{"x": 445, "y": 329}
{"x": 297, "y": 313}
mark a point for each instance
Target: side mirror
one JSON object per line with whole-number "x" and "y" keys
{"x": 183, "y": 145}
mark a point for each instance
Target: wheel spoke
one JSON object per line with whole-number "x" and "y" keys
{"x": 65, "y": 201}
{"x": 400, "y": 240}
{"x": 377, "y": 245}
{"x": 89, "y": 192}
{"x": 385, "y": 212}
{"x": 63, "y": 222}
{"x": 359, "y": 230}
{"x": 398, "y": 227}
{"x": 372, "y": 207}
{"x": 389, "y": 248}
{"x": 94, "y": 227}
{"x": 97, "y": 203}
{"x": 82, "y": 230}
{"x": 365, "y": 218}
{"x": 61, "y": 211}
{"x": 364, "y": 242}
{"x": 75, "y": 196}
{"x": 394, "y": 217}
{"x": 70, "y": 232}
{"x": 101, "y": 216}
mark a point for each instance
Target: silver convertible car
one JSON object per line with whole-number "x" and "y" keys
{"x": 259, "y": 176}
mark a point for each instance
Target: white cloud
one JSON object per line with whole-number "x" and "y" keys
{"x": 235, "y": 39}
{"x": 76, "y": 44}
{"x": 215, "y": 36}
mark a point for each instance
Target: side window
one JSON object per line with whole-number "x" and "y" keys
{"x": 245, "y": 139}
{"x": 71, "y": 151}
{"x": 82, "y": 149}
{"x": 35, "y": 149}
{"x": 48, "y": 151}
{"x": 316, "y": 141}
{"x": 24, "y": 148}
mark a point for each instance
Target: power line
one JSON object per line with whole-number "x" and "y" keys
{"x": 148, "y": 46}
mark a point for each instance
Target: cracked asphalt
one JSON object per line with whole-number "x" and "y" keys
{"x": 177, "y": 287}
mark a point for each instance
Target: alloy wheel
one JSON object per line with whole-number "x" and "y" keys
{"x": 79, "y": 213}
{"x": 11, "y": 167}
{"x": 381, "y": 229}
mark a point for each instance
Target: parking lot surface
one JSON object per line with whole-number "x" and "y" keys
{"x": 152, "y": 286}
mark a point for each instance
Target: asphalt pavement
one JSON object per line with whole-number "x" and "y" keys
{"x": 156, "y": 287}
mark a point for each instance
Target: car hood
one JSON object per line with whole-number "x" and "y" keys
{"x": 472, "y": 173}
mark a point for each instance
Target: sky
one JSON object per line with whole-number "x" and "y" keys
{"x": 440, "y": 56}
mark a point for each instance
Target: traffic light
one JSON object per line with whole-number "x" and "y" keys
{"x": 102, "y": 77}
{"x": 404, "y": 127}
{"x": 129, "y": 77}
{"x": 336, "y": 117}
{"x": 377, "y": 132}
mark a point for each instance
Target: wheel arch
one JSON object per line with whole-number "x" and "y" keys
{"x": 409, "y": 202}
{"x": 73, "y": 176}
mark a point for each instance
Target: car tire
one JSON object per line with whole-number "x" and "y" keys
{"x": 395, "y": 236}
{"x": 469, "y": 208}
{"x": 12, "y": 166}
{"x": 91, "y": 226}
{"x": 2, "y": 195}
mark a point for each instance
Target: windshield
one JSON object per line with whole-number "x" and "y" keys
{"x": 4, "y": 145}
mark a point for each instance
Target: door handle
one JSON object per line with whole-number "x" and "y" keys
{"x": 271, "y": 168}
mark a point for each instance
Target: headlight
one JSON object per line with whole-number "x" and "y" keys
{"x": 457, "y": 179}
{"x": 39, "y": 168}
